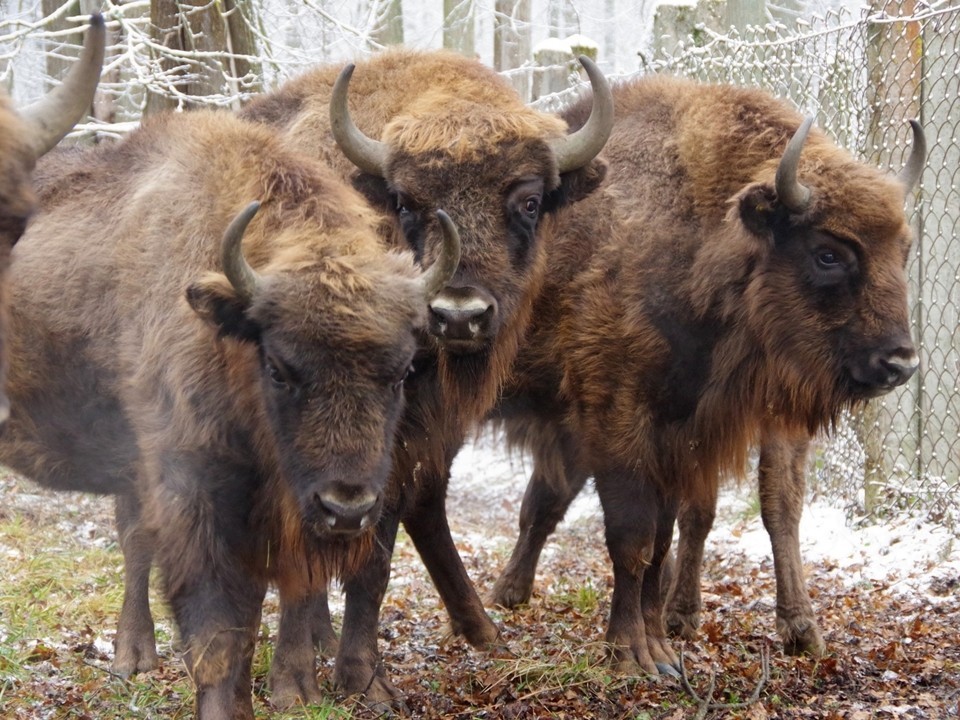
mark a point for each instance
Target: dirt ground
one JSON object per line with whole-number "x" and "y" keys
{"x": 894, "y": 654}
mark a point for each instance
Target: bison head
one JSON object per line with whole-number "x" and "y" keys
{"x": 27, "y": 135}
{"x": 335, "y": 340}
{"x": 468, "y": 144}
{"x": 830, "y": 295}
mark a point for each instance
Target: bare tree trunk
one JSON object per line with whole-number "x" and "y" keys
{"x": 198, "y": 25}
{"x": 241, "y": 16}
{"x": 388, "y": 22}
{"x": 459, "y": 26}
{"x": 512, "y": 40}
{"x": 61, "y": 50}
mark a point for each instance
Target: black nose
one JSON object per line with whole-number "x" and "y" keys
{"x": 462, "y": 314}
{"x": 346, "y": 512}
{"x": 894, "y": 369}
{"x": 890, "y": 363}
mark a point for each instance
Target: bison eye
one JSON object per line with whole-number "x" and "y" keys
{"x": 531, "y": 205}
{"x": 827, "y": 259}
{"x": 277, "y": 376}
{"x": 398, "y": 384}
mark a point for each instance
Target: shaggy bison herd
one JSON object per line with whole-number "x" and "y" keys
{"x": 267, "y": 334}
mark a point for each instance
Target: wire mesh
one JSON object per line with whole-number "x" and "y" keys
{"x": 862, "y": 76}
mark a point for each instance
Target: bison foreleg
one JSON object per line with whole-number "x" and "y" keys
{"x": 683, "y": 602}
{"x": 428, "y": 528}
{"x": 782, "y": 483}
{"x": 135, "y": 644}
{"x": 305, "y": 626}
{"x": 358, "y": 668}
{"x": 545, "y": 502}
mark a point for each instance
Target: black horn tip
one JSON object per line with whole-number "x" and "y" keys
{"x": 97, "y": 21}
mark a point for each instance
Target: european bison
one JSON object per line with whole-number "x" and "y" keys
{"x": 239, "y": 396}
{"x": 435, "y": 130}
{"x": 739, "y": 280}
{"x": 24, "y": 137}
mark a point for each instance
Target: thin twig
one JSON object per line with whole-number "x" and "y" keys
{"x": 705, "y": 704}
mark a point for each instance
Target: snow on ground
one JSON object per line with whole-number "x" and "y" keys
{"x": 905, "y": 553}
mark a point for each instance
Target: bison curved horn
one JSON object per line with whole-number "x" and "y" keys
{"x": 52, "y": 117}
{"x": 576, "y": 150}
{"x": 367, "y": 154}
{"x": 243, "y": 278}
{"x": 444, "y": 267}
{"x": 918, "y": 157}
{"x": 790, "y": 192}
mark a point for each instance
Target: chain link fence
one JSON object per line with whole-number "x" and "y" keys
{"x": 861, "y": 76}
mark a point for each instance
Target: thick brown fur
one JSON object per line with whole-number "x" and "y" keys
{"x": 458, "y": 138}
{"x": 224, "y": 424}
{"x": 16, "y": 205}
{"x": 685, "y": 318}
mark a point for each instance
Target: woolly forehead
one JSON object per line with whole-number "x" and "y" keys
{"x": 852, "y": 200}
{"x": 466, "y": 131}
{"x": 343, "y": 304}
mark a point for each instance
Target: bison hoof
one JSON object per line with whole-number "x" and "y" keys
{"x": 803, "y": 638}
{"x": 666, "y": 669}
{"x": 509, "y": 592}
{"x": 289, "y": 688}
{"x": 682, "y": 625}
{"x": 138, "y": 658}
{"x": 482, "y": 633}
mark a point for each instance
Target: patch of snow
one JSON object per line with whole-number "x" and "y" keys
{"x": 904, "y": 553}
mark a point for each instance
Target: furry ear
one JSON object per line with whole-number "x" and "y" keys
{"x": 216, "y": 302}
{"x": 577, "y": 184}
{"x": 757, "y": 207}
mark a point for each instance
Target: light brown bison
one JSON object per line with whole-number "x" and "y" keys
{"x": 240, "y": 397}
{"x": 740, "y": 280}
{"x": 27, "y": 135}
{"x": 427, "y": 130}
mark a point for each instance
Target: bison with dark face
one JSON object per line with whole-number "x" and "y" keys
{"x": 240, "y": 397}
{"x": 739, "y": 281}
{"x": 27, "y": 135}
{"x": 429, "y": 130}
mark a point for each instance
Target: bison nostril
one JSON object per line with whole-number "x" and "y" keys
{"x": 462, "y": 322}
{"x": 899, "y": 369}
{"x": 343, "y": 514}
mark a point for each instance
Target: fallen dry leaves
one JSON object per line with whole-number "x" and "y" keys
{"x": 893, "y": 654}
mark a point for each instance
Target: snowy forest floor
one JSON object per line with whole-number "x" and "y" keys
{"x": 887, "y": 595}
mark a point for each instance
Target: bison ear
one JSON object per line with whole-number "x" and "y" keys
{"x": 577, "y": 184}
{"x": 217, "y": 304}
{"x": 757, "y": 206}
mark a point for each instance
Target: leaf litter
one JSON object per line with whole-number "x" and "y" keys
{"x": 887, "y": 596}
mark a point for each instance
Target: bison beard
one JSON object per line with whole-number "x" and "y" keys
{"x": 242, "y": 411}
{"x": 745, "y": 293}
